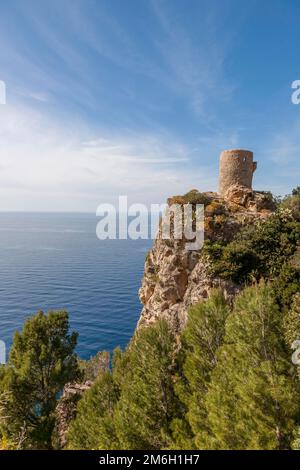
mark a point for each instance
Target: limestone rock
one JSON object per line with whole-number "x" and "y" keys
{"x": 254, "y": 201}
{"x": 66, "y": 410}
{"x": 238, "y": 194}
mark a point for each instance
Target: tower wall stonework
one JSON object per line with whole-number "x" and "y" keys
{"x": 236, "y": 168}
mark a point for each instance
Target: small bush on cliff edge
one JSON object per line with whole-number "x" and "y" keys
{"x": 192, "y": 197}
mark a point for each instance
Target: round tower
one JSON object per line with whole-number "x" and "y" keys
{"x": 236, "y": 168}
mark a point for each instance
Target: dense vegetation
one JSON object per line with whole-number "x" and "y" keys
{"x": 227, "y": 383}
{"x": 40, "y": 362}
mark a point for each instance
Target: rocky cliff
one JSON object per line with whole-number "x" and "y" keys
{"x": 175, "y": 278}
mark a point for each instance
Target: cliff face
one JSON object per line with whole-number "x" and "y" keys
{"x": 175, "y": 278}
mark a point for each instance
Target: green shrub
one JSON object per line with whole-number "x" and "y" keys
{"x": 192, "y": 197}
{"x": 147, "y": 402}
{"x": 93, "y": 427}
{"x": 201, "y": 338}
{"x": 253, "y": 395}
{"x": 292, "y": 203}
{"x": 257, "y": 251}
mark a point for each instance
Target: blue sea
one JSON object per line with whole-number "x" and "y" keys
{"x": 55, "y": 261}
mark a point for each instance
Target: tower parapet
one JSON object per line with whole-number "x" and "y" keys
{"x": 236, "y": 168}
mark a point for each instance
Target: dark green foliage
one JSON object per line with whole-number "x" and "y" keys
{"x": 292, "y": 334}
{"x": 292, "y": 322}
{"x": 41, "y": 361}
{"x": 296, "y": 191}
{"x": 195, "y": 197}
{"x": 192, "y": 197}
{"x": 132, "y": 406}
{"x": 94, "y": 427}
{"x": 201, "y": 339}
{"x": 257, "y": 251}
{"x": 93, "y": 367}
{"x": 147, "y": 403}
{"x": 238, "y": 262}
{"x": 253, "y": 398}
{"x": 292, "y": 203}
{"x": 286, "y": 285}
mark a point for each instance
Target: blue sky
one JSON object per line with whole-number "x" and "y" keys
{"x": 138, "y": 97}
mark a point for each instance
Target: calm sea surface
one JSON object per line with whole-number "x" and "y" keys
{"x": 55, "y": 261}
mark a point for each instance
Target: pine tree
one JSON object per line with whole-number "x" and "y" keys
{"x": 292, "y": 322}
{"x": 292, "y": 338}
{"x": 201, "y": 339}
{"x": 148, "y": 403}
{"x": 41, "y": 361}
{"x": 253, "y": 397}
{"x": 94, "y": 424}
{"x": 93, "y": 427}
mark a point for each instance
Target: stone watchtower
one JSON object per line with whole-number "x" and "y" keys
{"x": 236, "y": 168}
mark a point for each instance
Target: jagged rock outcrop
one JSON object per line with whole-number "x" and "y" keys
{"x": 175, "y": 278}
{"x": 254, "y": 201}
{"x": 67, "y": 406}
{"x": 66, "y": 410}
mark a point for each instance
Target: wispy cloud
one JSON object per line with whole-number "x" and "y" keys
{"x": 190, "y": 69}
{"x": 46, "y": 166}
{"x": 284, "y": 147}
{"x": 197, "y": 69}
{"x": 35, "y": 95}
